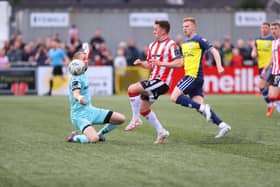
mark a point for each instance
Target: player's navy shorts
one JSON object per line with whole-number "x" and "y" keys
{"x": 191, "y": 86}
{"x": 154, "y": 88}
{"x": 267, "y": 74}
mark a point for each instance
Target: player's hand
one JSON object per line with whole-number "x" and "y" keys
{"x": 155, "y": 62}
{"x": 263, "y": 73}
{"x": 137, "y": 62}
{"x": 82, "y": 100}
{"x": 221, "y": 70}
{"x": 86, "y": 48}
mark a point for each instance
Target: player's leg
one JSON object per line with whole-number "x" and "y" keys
{"x": 88, "y": 135}
{"x": 263, "y": 86}
{"x": 49, "y": 93}
{"x": 274, "y": 88}
{"x": 224, "y": 128}
{"x": 151, "y": 117}
{"x": 134, "y": 91}
{"x": 154, "y": 88}
{"x": 193, "y": 87}
{"x": 189, "y": 86}
{"x": 112, "y": 120}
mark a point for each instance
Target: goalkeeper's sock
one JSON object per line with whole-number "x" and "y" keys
{"x": 107, "y": 128}
{"x": 134, "y": 99}
{"x": 81, "y": 138}
{"x": 187, "y": 102}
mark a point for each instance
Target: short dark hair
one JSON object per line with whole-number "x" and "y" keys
{"x": 275, "y": 24}
{"x": 266, "y": 23}
{"x": 164, "y": 24}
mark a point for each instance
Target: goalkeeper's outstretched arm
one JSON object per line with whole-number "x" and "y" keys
{"x": 78, "y": 97}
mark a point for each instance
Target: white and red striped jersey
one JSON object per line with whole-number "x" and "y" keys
{"x": 276, "y": 57}
{"x": 164, "y": 51}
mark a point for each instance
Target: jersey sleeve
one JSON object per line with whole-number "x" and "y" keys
{"x": 205, "y": 45}
{"x": 175, "y": 51}
{"x": 76, "y": 84}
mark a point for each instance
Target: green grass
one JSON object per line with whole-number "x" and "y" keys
{"x": 33, "y": 151}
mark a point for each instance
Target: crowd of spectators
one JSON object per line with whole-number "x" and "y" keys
{"x": 16, "y": 52}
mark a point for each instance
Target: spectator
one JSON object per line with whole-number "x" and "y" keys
{"x": 15, "y": 53}
{"x": 227, "y": 51}
{"x": 95, "y": 42}
{"x": 28, "y": 53}
{"x": 243, "y": 50}
{"x": 131, "y": 53}
{"x": 120, "y": 62}
{"x": 144, "y": 53}
{"x": 4, "y": 60}
{"x": 73, "y": 32}
{"x": 6, "y": 46}
{"x": 41, "y": 55}
{"x": 20, "y": 41}
{"x": 210, "y": 61}
{"x": 237, "y": 58}
{"x": 122, "y": 45}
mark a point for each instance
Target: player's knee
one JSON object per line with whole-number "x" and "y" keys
{"x": 173, "y": 98}
{"x": 121, "y": 119}
{"x": 93, "y": 139}
{"x": 131, "y": 89}
{"x": 145, "y": 112}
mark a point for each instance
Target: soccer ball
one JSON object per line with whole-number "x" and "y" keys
{"x": 76, "y": 67}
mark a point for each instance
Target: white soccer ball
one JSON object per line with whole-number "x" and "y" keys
{"x": 76, "y": 67}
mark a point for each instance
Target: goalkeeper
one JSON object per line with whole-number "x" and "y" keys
{"x": 83, "y": 115}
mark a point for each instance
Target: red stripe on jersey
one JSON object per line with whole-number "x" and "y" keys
{"x": 163, "y": 52}
{"x": 149, "y": 56}
{"x": 275, "y": 57}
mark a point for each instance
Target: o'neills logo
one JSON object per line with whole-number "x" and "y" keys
{"x": 234, "y": 81}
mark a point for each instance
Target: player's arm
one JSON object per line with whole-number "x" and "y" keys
{"x": 145, "y": 64}
{"x": 78, "y": 97}
{"x": 176, "y": 63}
{"x": 217, "y": 58}
{"x": 254, "y": 52}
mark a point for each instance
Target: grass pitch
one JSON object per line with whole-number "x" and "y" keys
{"x": 33, "y": 150}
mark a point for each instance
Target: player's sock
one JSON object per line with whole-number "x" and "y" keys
{"x": 134, "y": 99}
{"x": 275, "y": 98}
{"x": 152, "y": 118}
{"x": 81, "y": 138}
{"x": 187, "y": 102}
{"x": 107, "y": 128}
{"x": 215, "y": 118}
{"x": 265, "y": 95}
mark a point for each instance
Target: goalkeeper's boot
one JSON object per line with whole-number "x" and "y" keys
{"x": 133, "y": 124}
{"x": 101, "y": 138}
{"x": 71, "y": 137}
{"x": 161, "y": 137}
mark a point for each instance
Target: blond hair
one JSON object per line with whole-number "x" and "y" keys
{"x": 191, "y": 19}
